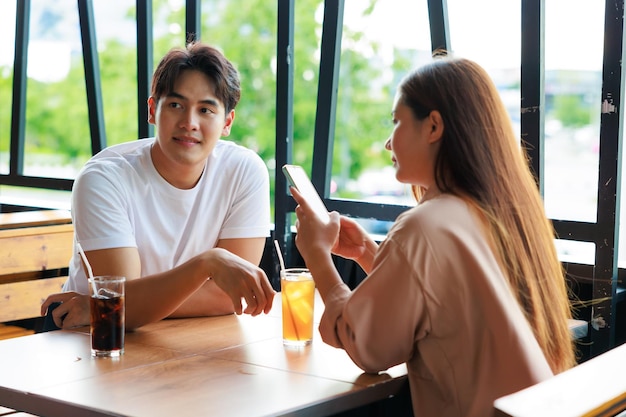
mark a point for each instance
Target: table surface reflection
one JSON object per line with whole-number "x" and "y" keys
{"x": 217, "y": 366}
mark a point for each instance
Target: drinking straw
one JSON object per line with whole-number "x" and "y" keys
{"x": 280, "y": 255}
{"x": 282, "y": 268}
{"x": 89, "y": 271}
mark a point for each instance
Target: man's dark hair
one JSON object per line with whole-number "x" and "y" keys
{"x": 200, "y": 57}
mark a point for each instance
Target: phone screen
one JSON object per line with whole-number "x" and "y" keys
{"x": 298, "y": 178}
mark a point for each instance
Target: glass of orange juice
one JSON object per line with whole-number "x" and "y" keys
{"x": 297, "y": 297}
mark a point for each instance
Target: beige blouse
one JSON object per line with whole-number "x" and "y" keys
{"x": 437, "y": 300}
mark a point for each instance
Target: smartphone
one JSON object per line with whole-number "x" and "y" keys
{"x": 298, "y": 178}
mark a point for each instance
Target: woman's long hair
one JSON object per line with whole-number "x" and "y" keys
{"x": 480, "y": 160}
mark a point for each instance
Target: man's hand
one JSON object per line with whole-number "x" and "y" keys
{"x": 72, "y": 312}
{"x": 241, "y": 279}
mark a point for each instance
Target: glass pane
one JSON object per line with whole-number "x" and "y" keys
{"x": 247, "y": 37}
{"x": 7, "y": 34}
{"x": 57, "y": 124}
{"x": 308, "y": 17}
{"x": 168, "y": 18}
{"x": 488, "y": 32}
{"x": 573, "y": 81}
{"x": 379, "y": 46}
{"x": 116, "y": 32}
{"x": 576, "y": 252}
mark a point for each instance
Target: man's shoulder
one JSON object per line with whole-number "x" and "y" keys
{"x": 225, "y": 148}
{"x": 118, "y": 158}
{"x": 134, "y": 147}
{"x": 235, "y": 155}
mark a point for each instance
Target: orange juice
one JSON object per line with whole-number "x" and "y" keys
{"x": 298, "y": 296}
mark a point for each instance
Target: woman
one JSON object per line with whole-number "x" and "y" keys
{"x": 467, "y": 288}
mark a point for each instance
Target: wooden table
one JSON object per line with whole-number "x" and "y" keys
{"x": 219, "y": 366}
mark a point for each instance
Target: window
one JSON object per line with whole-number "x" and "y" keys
{"x": 374, "y": 57}
{"x": 56, "y": 129}
{"x": 329, "y": 99}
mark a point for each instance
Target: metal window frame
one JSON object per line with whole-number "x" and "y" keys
{"x": 145, "y": 57}
{"x": 604, "y": 233}
{"x": 284, "y": 129}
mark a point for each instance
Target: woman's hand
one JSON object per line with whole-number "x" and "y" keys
{"x": 314, "y": 236}
{"x": 315, "y": 240}
{"x": 353, "y": 240}
{"x": 342, "y": 236}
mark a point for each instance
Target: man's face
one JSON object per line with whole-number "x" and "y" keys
{"x": 189, "y": 121}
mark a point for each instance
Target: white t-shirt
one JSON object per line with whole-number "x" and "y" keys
{"x": 120, "y": 200}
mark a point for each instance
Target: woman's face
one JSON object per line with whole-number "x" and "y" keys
{"x": 413, "y": 144}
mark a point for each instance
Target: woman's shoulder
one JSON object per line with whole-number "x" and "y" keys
{"x": 443, "y": 221}
{"x": 445, "y": 229}
{"x": 442, "y": 211}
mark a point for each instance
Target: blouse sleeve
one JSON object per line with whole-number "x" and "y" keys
{"x": 379, "y": 322}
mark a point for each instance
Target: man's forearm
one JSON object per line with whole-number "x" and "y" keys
{"x": 185, "y": 291}
{"x": 208, "y": 300}
{"x": 155, "y": 297}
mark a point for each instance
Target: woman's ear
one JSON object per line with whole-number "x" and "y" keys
{"x": 436, "y": 126}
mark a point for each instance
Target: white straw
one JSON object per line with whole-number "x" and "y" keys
{"x": 89, "y": 271}
{"x": 282, "y": 267}
{"x": 280, "y": 255}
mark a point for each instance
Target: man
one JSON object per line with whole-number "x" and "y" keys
{"x": 183, "y": 216}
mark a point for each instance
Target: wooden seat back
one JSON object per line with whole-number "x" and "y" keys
{"x": 33, "y": 264}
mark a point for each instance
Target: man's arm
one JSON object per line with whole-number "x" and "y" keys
{"x": 150, "y": 298}
{"x": 210, "y": 300}
{"x": 155, "y": 297}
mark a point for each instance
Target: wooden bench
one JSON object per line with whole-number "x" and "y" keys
{"x": 596, "y": 387}
{"x": 33, "y": 264}
{"x": 35, "y": 249}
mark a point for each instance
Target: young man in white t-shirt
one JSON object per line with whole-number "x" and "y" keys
{"x": 183, "y": 216}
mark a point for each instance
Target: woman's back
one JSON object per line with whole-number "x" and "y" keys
{"x": 438, "y": 297}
